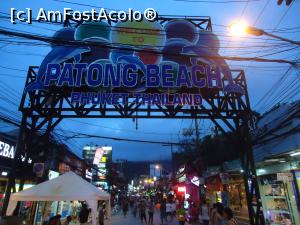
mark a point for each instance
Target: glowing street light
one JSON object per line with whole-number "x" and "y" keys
{"x": 157, "y": 167}
{"x": 241, "y": 28}
{"x": 238, "y": 28}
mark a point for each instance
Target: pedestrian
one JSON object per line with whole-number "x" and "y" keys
{"x": 125, "y": 207}
{"x": 217, "y": 212}
{"x": 168, "y": 210}
{"x": 84, "y": 215}
{"x": 180, "y": 214}
{"x": 150, "y": 212}
{"x": 173, "y": 210}
{"x": 194, "y": 213}
{"x": 163, "y": 213}
{"x": 142, "y": 208}
{"x": 68, "y": 220}
{"x": 204, "y": 213}
{"x": 135, "y": 208}
{"x": 55, "y": 220}
{"x": 229, "y": 217}
{"x": 101, "y": 215}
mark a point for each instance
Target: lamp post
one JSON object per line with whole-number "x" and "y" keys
{"x": 241, "y": 28}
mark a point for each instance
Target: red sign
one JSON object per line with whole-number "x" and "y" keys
{"x": 181, "y": 189}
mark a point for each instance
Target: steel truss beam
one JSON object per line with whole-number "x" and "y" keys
{"x": 57, "y": 104}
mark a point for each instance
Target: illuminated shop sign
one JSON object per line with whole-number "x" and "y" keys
{"x": 195, "y": 180}
{"x": 7, "y": 150}
{"x": 88, "y": 174}
{"x": 98, "y": 156}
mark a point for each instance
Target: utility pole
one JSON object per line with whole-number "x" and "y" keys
{"x": 197, "y": 132}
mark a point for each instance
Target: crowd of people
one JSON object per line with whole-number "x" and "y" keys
{"x": 144, "y": 208}
{"x": 82, "y": 218}
{"x": 170, "y": 210}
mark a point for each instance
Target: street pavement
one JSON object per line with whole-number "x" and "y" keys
{"x": 119, "y": 219}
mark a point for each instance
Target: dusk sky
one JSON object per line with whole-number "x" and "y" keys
{"x": 265, "y": 14}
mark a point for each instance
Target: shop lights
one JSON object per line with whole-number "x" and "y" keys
{"x": 181, "y": 189}
{"x": 261, "y": 170}
{"x": 4, "y": 173}
{"x": 295, "y": 154}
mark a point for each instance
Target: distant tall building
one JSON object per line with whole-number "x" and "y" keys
{"x": 101, "y": 159}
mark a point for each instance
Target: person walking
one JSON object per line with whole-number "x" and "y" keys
{"x": 173, "y": 210}
{"x": 180, "y": 214}
{"x": 142, "y": 208}
{"x": 168, "y": 210}
{"x": 216, "y": 217}
{"x": 55, "y": 220}
{"x": 163, "y": 213}
{"x": 125, "y": 207}
{"x": 84, "y": 215}
{"x": 229, "y": 217}
{"x": 135, "y": 209}
{"x": 101, "y": 215}
{"x": 150, "y": 212}
{"x": 194, "y": 213}
{"x": 68, "y": 220}
{"x": 204, "y": 213}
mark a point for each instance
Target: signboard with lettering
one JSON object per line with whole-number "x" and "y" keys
{"x": 147, "y": 62}
{"x": 285, "y": 176}
{"x": 7, "y": 150}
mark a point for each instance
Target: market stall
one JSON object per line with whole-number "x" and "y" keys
{"x": 67, "y": 187}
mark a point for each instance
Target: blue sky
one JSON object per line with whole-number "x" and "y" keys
{"x": 283, "y": 20}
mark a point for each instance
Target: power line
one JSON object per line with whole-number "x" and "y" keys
{"x": 83, "y": 43}
{"x": 116, "y": 129}
{"x": 84, "y": 135}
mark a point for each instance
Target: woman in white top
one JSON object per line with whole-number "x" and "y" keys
{"x": 204, "y": 213}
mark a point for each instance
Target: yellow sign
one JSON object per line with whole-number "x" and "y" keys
{"x": 139, "y": 33}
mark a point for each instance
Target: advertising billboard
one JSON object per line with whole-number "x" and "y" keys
{"x": 167, "y": 63}
{"x": 102, "y": 159}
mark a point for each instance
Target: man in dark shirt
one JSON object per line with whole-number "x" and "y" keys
{"x": 163, "y": 213}
{"x": 101, "y": 215}
{"x": 84, "y": 215}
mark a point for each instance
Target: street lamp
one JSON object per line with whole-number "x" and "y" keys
{"x": 241, "y": 28}
{"x": 159, "y": 167}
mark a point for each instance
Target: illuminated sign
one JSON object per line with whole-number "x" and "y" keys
{"x": 101, "y": 165}
{"x": 88, "y": 174}
{"x": 98, "y": 156}
{"x": 195, "y": 180}
{"x": 7, "y": 150}
{"x": 52, "y": 174}
{"x": 145, "y": 62}
{"x": 103, "y": 159}
{"x": 181, "y": 189}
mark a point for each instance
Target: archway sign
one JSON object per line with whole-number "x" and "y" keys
{"x": 168, "y": 69}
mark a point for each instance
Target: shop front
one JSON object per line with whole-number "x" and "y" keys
{"x": 24, "y": 172}
{"x": 279, "y": 186}
{"x": 225, "y": 184}
{"x": 187, "y": 187}
{"x": 61, "y": 164}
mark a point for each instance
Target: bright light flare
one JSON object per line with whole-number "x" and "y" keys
{"x": 238, "y": 28}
